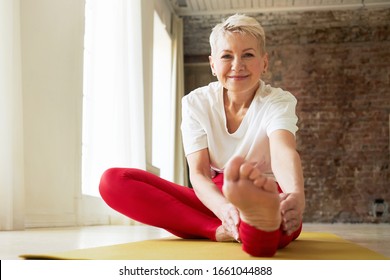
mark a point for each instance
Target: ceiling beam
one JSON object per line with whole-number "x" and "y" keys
{"x": 290, "y": 6}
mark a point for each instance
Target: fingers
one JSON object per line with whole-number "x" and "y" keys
{"x": 291, "y": 221}
{"x": 233, "y": 221}
{"x": 288, "y": 203}
{"x": 291, "y": 215}
{"x": 230, "y": 220}
{"x": 285, "y": 204}
{"x": 283, "y": 196}
{"x": 291, "y": 227}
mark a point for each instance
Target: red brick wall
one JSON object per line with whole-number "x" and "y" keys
{"x": 337, "y": 63}
{"x": 340, "y": 73}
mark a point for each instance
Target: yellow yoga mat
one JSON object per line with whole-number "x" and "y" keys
{"x": 309, "y": 246}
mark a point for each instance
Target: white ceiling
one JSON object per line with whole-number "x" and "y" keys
{"x": 210, "y": 7}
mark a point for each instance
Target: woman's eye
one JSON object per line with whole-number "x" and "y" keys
{"x": 248, "y": 55}
{"x": 226, "y": 56}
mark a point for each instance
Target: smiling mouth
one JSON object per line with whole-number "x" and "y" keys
{"x": 238, "y": 77}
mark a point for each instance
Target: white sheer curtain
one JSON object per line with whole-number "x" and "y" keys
{"x": 11, "y": 119}
{"x": 117, "y": 120}
{"x": 114, "y": 94}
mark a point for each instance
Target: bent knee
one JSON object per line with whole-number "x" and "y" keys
{"x": 113, "y": 179}
{"x": 110, "y": 180}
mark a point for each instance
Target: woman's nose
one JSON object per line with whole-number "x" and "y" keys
{"x": 237, "y": 64}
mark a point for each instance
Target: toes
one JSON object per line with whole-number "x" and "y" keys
{"x": 270, "y": 186}
{"x": 246, "y": 170}
{"x": 237, "y": 168}
{"x": 260, "y": 181}
{"x": 255, "y": 174}
{"x": 232, "y": 170}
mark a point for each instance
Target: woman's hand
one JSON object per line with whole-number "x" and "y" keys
{"x": 291, "y": 207}
{"x": 210, "y": 195}
{"x": 287, "y": 168}
{"x": 230, "y": 218}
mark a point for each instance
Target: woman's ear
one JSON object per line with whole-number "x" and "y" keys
{"x": 212, "y": 65}
{"x": 265, "y": 59}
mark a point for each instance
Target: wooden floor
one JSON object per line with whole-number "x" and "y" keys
{"x": 14, "y": 243}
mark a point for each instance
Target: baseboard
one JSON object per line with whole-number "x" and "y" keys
{"x": 43, "y": 220}
{"x": 90, "y": 211}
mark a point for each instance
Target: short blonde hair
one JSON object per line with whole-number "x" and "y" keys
{"x": 238, "y": 23}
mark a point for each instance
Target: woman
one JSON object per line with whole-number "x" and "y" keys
{"x": 238, "y": 136}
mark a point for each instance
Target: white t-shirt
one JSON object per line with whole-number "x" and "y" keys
{"x": 204, "y": 124}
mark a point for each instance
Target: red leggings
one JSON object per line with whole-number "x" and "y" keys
{"x": 152, "y": 200}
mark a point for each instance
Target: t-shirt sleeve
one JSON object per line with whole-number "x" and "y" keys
{"x": 193, "y": 134}
{"x": 282, "y": 115}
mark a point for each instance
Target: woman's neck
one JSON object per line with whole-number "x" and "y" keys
{"x": 238, "y": 101}
{"x": 236, "y": 105}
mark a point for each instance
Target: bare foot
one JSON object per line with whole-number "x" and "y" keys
{"x": 256, "y": 197}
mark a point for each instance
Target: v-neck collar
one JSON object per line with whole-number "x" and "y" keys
{"x": 245, "y": 121}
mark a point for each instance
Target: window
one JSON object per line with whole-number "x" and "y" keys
{"x": 162, "y": 156}
{"x": 113, "y": 100}
{"x": 113, "y": 103}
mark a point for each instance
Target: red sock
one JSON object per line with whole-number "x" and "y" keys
{"x": 259, "y": 243}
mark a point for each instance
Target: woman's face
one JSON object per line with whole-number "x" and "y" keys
{"x": 238, "y": 62}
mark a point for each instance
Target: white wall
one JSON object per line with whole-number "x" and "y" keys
{"x": 11, "y": 119}
{"x": 52, "y": 57}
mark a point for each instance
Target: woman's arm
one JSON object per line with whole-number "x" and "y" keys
{"x": 208, "y": 192}
{"x": 287, "y": 168}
